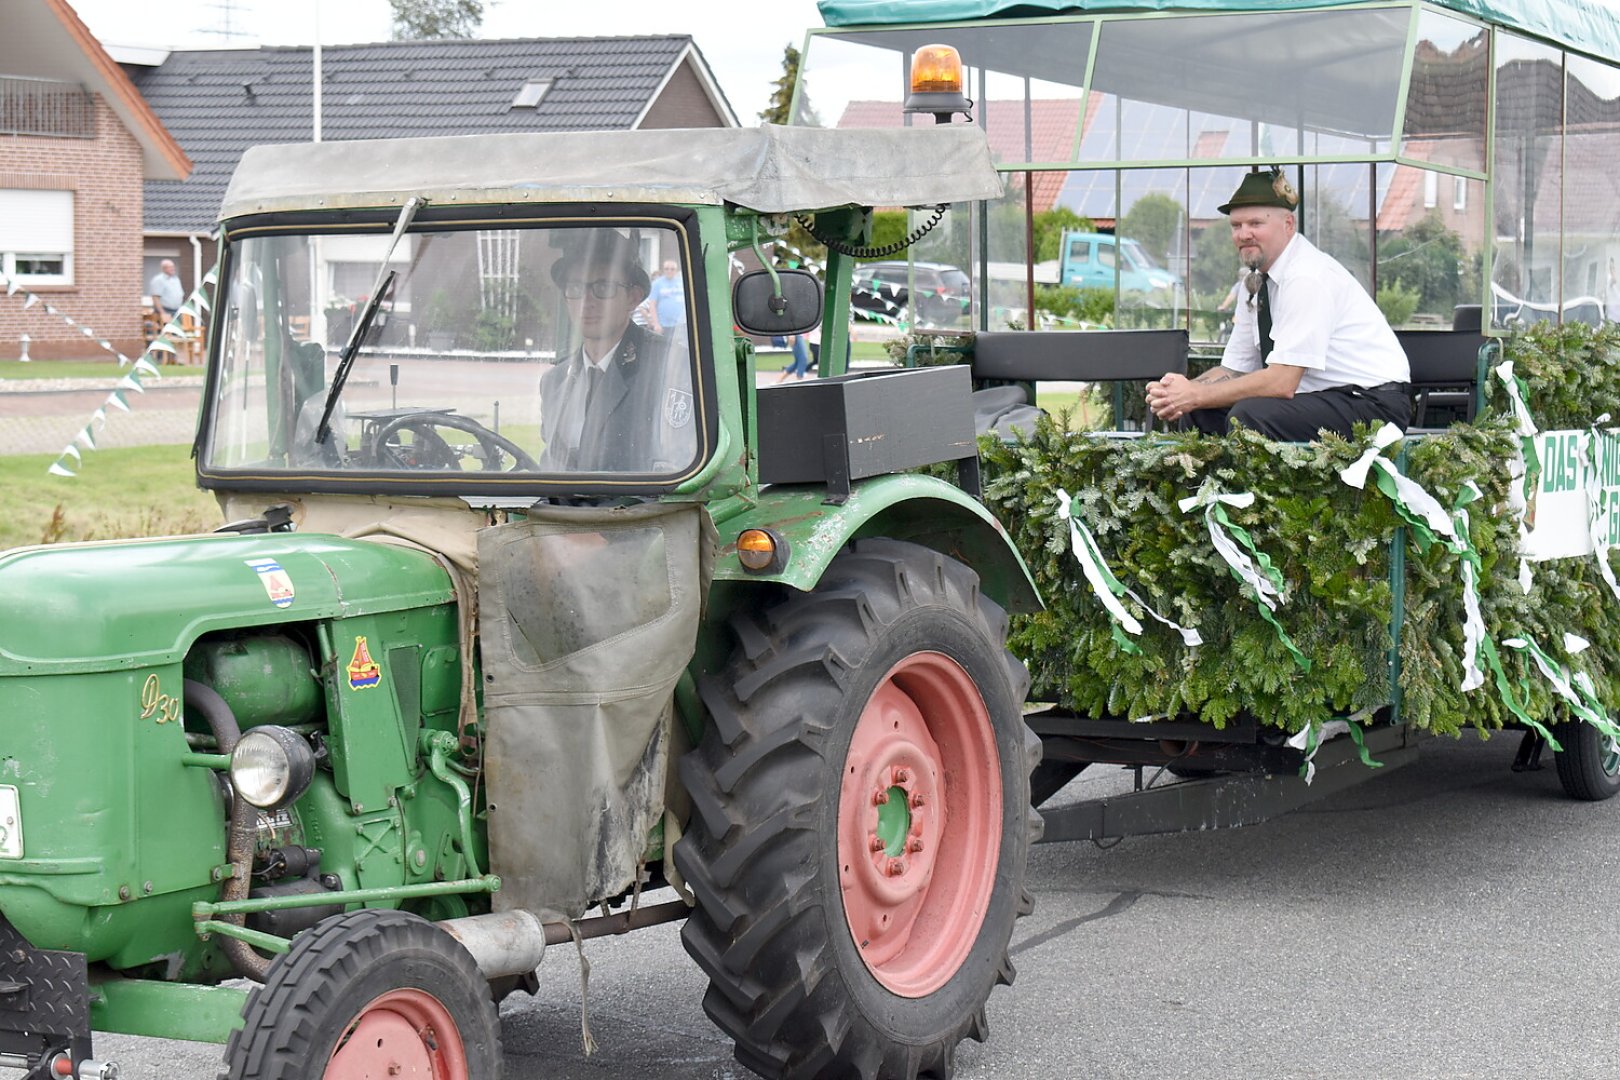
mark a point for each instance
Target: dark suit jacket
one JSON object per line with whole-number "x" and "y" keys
{"x": 639, "y": 417}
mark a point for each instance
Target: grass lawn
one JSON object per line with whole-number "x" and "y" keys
{"x": 1086, "y": 412}
{"x": 142, "y": 491}
{"x": 776, "y": 360}
{"x": 81, "y": 369}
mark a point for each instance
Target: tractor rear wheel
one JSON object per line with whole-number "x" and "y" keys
{"x": 861, "y": 821}
{"x": 369, "y": 993}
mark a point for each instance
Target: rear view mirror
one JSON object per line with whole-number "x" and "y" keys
{"x": 759, "y": 309}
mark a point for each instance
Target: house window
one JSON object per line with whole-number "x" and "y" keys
{"x": 36, "y": 236}
{"x": 531, "y": 94}
{"x": 1431, "y": 189}
{"x": 1459, "y": 193}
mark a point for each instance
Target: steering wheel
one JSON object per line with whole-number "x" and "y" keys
{"x": 431, "y": 451}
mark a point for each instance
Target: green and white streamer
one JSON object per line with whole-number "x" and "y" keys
{"x": 1577, "y": 690}
{"x": 1474, "y": 636}
{"x": 1431, "y": 523}
{"x": 1108, "y": 587}
{"x": 1516, "y": 391}
{"x": 1527, "y": 431}
{"x": 1419, "y": 509}
{"x": 1231, "y": 541}
{"x": 1311, "y": 737}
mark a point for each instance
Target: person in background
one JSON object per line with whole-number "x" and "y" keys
{"x": 666, "y": 300}
{"x": 1309, "y": 352}
{"x": 166, "y": 291}
{"x": 801, "y": 359}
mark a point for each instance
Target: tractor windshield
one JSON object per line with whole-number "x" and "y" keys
{"x": 559, "y": 353}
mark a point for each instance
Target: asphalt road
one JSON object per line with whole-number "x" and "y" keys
{"x": 1447, "y": 920}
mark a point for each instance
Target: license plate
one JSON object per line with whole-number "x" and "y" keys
{"x": 11, "y": 840}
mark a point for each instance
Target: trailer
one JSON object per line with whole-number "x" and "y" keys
{"x": 1449, "y": 154}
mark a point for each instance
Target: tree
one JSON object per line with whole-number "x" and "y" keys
{"x": 428, "y": 20}
{"x": 1050, "y": 225}
{"x": 1153, "y": 222}
{"x": 1428, "y": 259}
{"x": 798, "y": 241}
{"x": 779, "y": 110}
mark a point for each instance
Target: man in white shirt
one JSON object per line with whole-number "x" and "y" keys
{"x": 1309, "y": 351}
{"x": 166, "y": 291}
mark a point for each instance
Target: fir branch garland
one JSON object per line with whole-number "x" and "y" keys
{"x": 1332, "y": 544}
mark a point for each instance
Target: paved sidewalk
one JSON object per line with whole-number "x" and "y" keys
{"x": 41, "y": 416}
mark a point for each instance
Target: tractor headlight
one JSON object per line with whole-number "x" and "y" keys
{"x": 271, "y": 766}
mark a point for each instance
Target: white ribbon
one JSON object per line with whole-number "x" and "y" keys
{"x": 1098, "y": 575}
{"x": 1527, "y": 426}
{"x": 1208, "y": 496}
{"x": 1473, "y": 621}
{"x": 1085, "y": 550}
{"x": 1356, "y": 474}
{"x": 1560, "y": 678}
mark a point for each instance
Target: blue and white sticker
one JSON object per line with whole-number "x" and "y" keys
{"x": 277, "y": 585}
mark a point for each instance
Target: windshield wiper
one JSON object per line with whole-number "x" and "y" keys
{"x": 362, "y": 325}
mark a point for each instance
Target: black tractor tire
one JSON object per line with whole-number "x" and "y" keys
{"x": 1587, "y": 768}
{"x": 1051, "y": 777}
{"x": 361, "y": 987}
{"x": 828, "y": 723}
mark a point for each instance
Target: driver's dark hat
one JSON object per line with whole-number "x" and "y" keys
{"x": 1263, "y": 188}
{"x": 603, "y": 247}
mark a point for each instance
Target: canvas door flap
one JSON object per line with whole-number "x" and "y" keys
{"x": 587, "y": 617}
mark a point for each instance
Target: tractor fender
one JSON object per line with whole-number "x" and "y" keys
{"x": 921, "y": 509}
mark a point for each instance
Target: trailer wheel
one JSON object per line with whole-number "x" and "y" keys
{"x": 861, "y": 821}
{"x": 1588, "y": 767}
{"x": 369, "y": 993}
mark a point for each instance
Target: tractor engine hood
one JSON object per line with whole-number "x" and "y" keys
{"x": 131, "y": 604}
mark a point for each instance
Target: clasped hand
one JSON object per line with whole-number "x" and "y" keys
{"x": 1172, "y": 397}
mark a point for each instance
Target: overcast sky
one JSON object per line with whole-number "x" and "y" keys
{"x": 741, "y": 39}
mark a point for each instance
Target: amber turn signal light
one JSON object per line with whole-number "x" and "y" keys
{"x": 760, "y": 549}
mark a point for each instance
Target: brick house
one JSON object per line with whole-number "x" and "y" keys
{"x": 219, "y": 102}
{"x": 77, "y": 144}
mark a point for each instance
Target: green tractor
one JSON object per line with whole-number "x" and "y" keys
{"x": 530, "y": 610}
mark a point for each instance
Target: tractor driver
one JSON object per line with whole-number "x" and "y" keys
{"x": 621, "y": 401}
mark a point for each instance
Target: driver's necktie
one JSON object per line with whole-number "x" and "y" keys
{"x": 1263, "y": 314}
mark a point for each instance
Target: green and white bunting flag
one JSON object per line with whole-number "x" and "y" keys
{"x": 143, "y": 366}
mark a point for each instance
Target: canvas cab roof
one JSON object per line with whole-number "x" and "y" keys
{"x": 770, "y": 169}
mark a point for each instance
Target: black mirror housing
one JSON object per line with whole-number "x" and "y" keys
{"x": 758, "y": 308}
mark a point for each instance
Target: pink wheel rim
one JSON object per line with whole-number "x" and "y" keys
{"x": 404, "y": 1033}
{"x": 919, "y": 824}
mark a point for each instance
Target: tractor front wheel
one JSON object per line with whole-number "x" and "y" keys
{"x": 861, "y": 821}
{"x": 369, "y": 993}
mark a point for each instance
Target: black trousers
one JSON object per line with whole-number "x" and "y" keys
{"x": 1300, "y": 418}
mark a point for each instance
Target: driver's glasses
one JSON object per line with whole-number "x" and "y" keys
{"x": 602, "y": 288}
